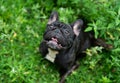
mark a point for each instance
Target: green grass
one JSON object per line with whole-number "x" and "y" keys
{"x": 22, "y": 23}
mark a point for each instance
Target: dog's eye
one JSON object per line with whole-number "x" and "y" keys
{"x": 52, "y": 27}
{"x": 66, "y": 32}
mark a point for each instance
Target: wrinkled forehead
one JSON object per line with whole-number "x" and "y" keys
{"x": 58, "y": 24}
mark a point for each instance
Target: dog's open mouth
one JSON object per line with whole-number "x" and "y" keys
{"x": 54, "y": 44}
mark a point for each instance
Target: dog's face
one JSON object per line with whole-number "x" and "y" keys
{"x": 58, "y": 35}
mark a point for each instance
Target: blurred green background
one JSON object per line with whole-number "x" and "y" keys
{"x": 22, "y": 23}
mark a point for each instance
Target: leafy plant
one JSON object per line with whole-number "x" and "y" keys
{"x": 22, "y": 23}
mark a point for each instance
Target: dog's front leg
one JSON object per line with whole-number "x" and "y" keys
{"x": 64, "y": 76}
{"x": 43, "y": 48}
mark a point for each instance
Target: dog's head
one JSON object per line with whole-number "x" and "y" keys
{"x": 59, "y": 35}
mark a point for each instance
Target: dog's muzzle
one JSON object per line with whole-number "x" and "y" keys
{"x": 54, "y": 44}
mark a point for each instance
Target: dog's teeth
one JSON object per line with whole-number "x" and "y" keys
{"x": 54, "y": 39}
{"x": 60, "y": 45}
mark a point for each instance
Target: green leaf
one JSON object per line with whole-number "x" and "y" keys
{"x": 119, "y": 11}
{"x": 96, "y": 32}
{"x": 88, "y": 29}
{"x": 117, "y": 20}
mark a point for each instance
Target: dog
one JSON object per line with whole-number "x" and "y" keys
{"x": 63, "y": 44}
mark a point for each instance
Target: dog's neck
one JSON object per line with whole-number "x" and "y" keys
{"x": 51, "y": 55}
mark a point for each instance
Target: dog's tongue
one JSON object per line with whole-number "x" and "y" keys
{"x": 54, "y": 41}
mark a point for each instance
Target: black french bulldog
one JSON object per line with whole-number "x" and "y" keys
{"x": 63, "y": 44}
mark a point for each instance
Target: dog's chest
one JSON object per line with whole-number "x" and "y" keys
{"x": 51, "y": 55}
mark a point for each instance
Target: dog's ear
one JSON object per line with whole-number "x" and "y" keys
{"x": 53, "y": 17}
{"x": 77, "y": 26}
